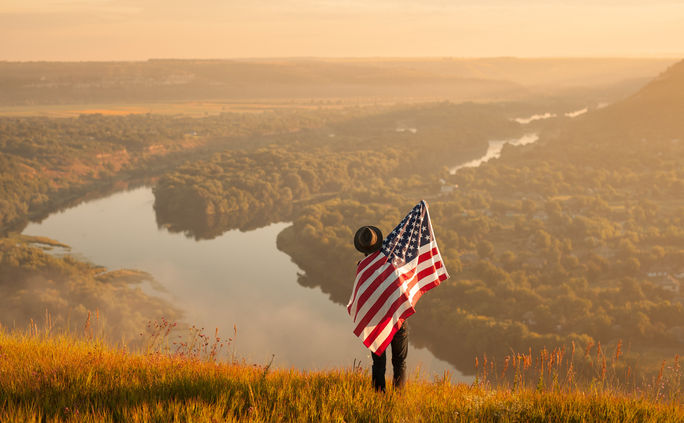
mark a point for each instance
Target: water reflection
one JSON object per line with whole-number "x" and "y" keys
{"x": 237, "y": 278}
{"x": 538, "y": 116}
{"x": 576, "y": 113}
{"x": 494, "y": 150}
{"x": 203, "y": 226}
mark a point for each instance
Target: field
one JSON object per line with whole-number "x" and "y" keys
{"x": 197, "y": 108}
{"x": 53, "y": 377}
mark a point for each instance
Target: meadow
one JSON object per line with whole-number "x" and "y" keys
{"x": 55, "y": 377}
{"x": 194, "y": 109}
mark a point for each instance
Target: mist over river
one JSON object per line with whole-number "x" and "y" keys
{"x": 238, "y": 278}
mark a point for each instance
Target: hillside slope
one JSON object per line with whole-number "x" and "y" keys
{"x": 63, "y": 379}
{"x": 655, "y": 111}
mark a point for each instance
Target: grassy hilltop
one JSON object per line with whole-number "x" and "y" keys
{"x": 47, "y": 377}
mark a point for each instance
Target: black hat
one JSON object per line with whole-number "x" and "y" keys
{"x": 368, "y": 239}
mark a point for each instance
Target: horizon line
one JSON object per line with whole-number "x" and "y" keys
{"x": 350, "y": 58}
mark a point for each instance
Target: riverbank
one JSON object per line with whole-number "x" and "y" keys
{"x": 58, "y": 378}
{"x": 218, "y": 284}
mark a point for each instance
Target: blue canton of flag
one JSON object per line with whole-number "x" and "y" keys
{"x": 414, "y": 231}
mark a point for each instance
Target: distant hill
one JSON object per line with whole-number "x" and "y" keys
{"x": 27, "y": 83}
{"x": 655, "y": 111}
{"x": 188, "y": 80}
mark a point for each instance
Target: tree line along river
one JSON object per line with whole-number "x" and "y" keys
{"x": 236, "y": 280}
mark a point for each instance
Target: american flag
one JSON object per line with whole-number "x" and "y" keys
{"x": 390, "y": 281}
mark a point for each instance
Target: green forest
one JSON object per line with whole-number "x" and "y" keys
{"x": 247, "y": 189}
{"x": 47, "y": 163}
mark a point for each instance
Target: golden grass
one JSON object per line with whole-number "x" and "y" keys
{"x": 594, "y": 369}
{"x": 60, "y": 378}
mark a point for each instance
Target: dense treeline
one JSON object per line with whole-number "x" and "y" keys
{"x": 573, "y": 239}
{"x": 271, "y": 163}
{"x": 234, "y": 188}
{"x": 245, "y": 189}
{"x": 518, "y": 281}
{"x": 44, "y": 161}
{"x": 551, "y": 244}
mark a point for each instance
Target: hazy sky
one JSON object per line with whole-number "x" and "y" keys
{"x": 141, "y": 29}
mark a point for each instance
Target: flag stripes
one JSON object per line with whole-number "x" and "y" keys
{"x": 397, "y": 283}
{"x": 389, "y": 282}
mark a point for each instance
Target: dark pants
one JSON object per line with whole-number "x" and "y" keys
{"x": 399, "y": 352}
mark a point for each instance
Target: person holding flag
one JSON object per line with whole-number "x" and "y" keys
{"x": 389, "y": 281}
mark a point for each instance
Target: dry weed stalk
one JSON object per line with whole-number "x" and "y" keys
{"x": 558, "y": 371}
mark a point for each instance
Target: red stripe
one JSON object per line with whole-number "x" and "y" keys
{"x": 397, "y": 303}
{"x": 429, "y": 270}
{"x": 423, "y": 290}
{"x": 405, "y": 315}
{"x": 389, "y": 290}
{"x": 372, "y": 287}
{"x": 426, "y": 255}
{"x": 367, "y": 272}
{"x": 381, "y": 301}
{"x": 385, "y": 319}
{"x": 369, "y": 258}
{"x": 441, "y": 278}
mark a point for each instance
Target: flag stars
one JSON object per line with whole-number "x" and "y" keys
{"x": 402, "y": 244}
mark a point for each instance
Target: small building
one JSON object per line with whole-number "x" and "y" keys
{"x": 528, "y": 318}
{"x": 658, "y": 271}
{"x": 541, "y": 215}
{"x": 668, "y": 283}
{"x": 679, "y": 274}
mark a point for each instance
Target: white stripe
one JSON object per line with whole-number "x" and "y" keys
{"x": 434, "y": 241}
{"x": 421, "y": 283}
{"x": 373, "y": 298}
{"x": 371, "y": 301}
{"x": 358, "y": 277}
{"x": 382, "y": 311}
{"x": 396, "y": 294}
{"x": 365, "y": 286}
{"x": 431, "y": 261}
{"x": 398, "y": 312}
{"x": 382, "y": 336}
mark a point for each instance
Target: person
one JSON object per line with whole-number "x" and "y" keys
{"x": 367, "y": 240}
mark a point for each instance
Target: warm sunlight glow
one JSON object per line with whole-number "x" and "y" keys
{"x": 135, "y": 30}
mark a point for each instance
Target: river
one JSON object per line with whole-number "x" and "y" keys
{"x": 238, "y": 278}
{"x": 494, "y": 150}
